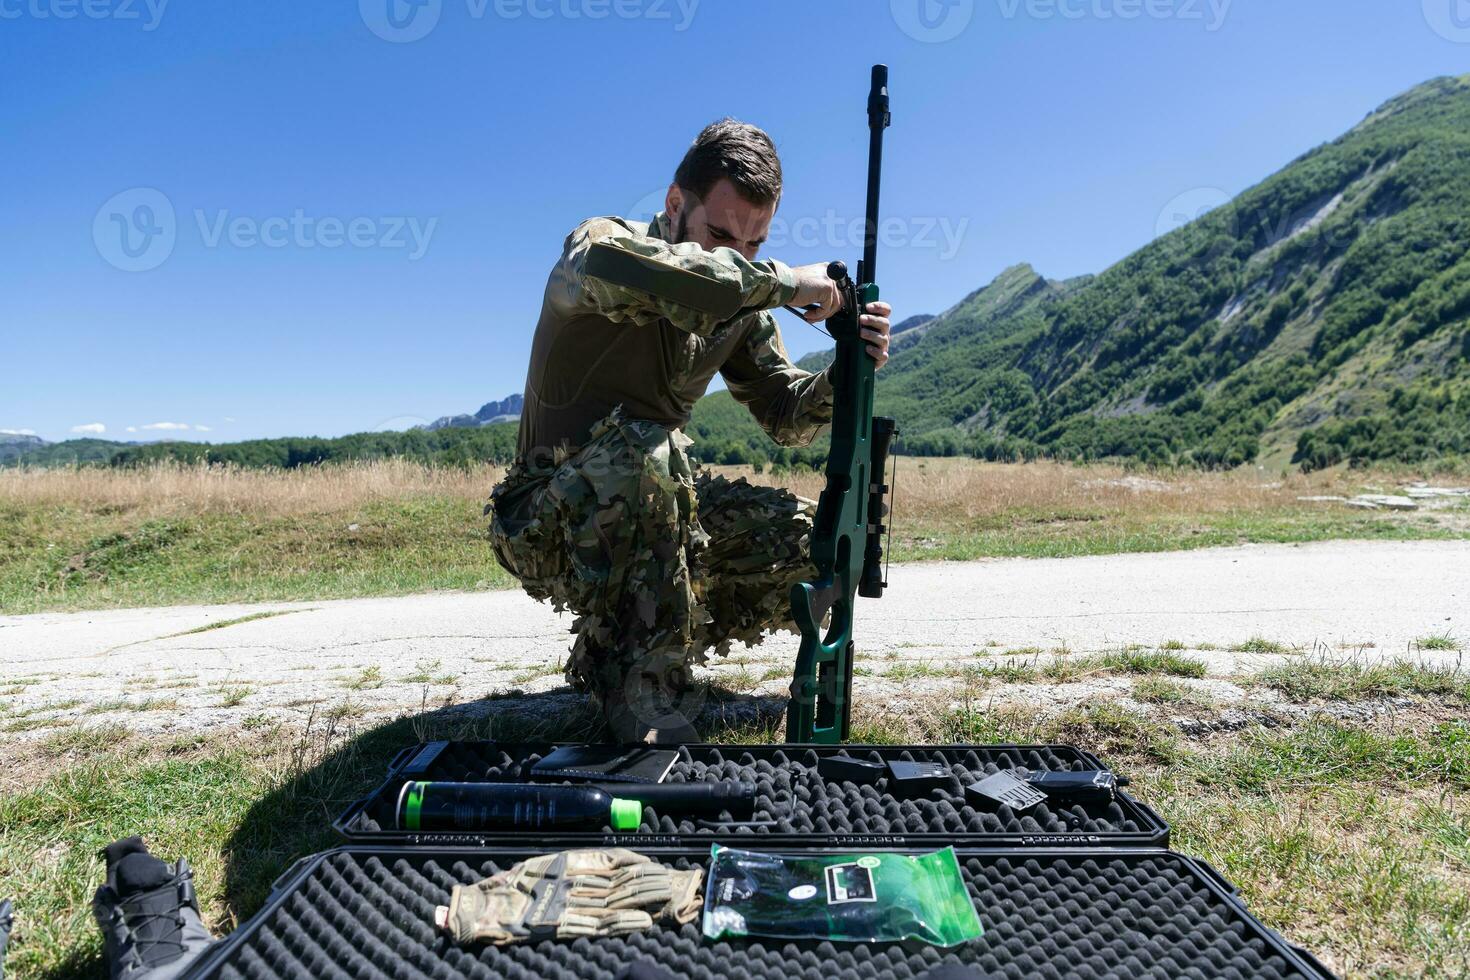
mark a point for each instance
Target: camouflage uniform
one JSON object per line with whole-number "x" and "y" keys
{"x": 603, "y": 512}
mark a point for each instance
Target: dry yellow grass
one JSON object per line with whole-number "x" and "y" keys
{"x": 96, "y": 537}
{"x": 961, "y": 489}
{"x": 171, "y": 488}
{"x": 928, "y": 489}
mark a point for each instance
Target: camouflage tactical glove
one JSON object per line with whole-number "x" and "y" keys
{"x": 593, "y": 892}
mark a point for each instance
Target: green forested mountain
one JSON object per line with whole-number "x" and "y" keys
{"x": 447, "y": 446}
{"x": 1321, "y": 316}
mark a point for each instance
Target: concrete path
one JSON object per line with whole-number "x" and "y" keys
{"x": 165, "y": 669}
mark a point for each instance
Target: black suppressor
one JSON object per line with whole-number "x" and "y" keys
{"x": 690, "y": 799}
{"x": 1087, "y": 786}
{"x": 495, "y": 806}
{"x": 871, "y": 585}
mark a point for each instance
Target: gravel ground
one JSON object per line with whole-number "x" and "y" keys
{"x": 190, "y": 668}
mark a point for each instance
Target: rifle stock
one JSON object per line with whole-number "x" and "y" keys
{"x": 846, "y": 540}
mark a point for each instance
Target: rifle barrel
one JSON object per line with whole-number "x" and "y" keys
{"x": 878, "y": 118}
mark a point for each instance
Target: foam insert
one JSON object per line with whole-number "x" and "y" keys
{"x": 361, "y": 913}
{"x": 796, "y": 800}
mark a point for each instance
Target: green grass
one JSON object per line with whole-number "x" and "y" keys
{"x": 1104, "y": 727}
{"x": 1352, "y": 840}
{"x": 1064, "y": 669}
{"x": 1160, "y": 690}
{"x": 1438, "y": 641}
{"x": 1012, "y": 536}
{"x": 224, "y": 623}
{"x": 1350, "y": 680}
{"x": 1357, "y": 871}
{"x": 908, "y": 670}
{"x": 146, "y": 704}
{"x": 1259, "y": 644}
{"x": 423, "y": 673}
{"x": 84, "y": 556}
{"x": 32, "y": 723}
{"x": 367, "y": 679}
{"x": 73, "y": 557}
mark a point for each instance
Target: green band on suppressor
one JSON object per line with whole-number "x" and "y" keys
{"x": 412, "y": 804}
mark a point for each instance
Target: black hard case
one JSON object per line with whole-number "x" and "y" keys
{"x": 808, "y": 811}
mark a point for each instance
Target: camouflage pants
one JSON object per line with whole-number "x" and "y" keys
{"x": 661, "y": 563}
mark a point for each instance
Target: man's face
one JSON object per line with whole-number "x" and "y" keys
{"x": 722, "y": 218}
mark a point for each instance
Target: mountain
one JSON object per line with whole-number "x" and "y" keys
{"x": 505, "y": 410}
{"x": 13, "y": 445}
{"x": 1321, "y": 316}
{"x": 68, "y": 453}
{"x": 901, "y": 334}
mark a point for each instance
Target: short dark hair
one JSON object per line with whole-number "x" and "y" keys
{"x": 738, "y": 151}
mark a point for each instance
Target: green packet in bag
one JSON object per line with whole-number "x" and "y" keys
{"x": 853, "y": 897}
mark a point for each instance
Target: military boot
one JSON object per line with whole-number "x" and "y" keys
{"x": 148, "y": 914}
{"x": 650, "y": 702}
{"x": 5, "y": 923}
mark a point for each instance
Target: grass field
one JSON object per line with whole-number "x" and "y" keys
{"x": 1352, "y": 837}
{"x": 1344, "y": 820}
{"x": 97, "y": 538}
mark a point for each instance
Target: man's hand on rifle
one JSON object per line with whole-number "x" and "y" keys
{"x": 875, "y": 330}
{"x": 815, "y": 290}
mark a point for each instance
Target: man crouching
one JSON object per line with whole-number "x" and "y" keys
{"x": 603, "y": 512}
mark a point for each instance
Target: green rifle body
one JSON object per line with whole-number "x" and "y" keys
{"x": 847, "y": 536}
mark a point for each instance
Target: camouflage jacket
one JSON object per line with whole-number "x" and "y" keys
{"x": 630, "y": 319}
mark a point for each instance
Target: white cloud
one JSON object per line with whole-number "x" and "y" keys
{"x": 228, "y": 419}
{"x": 17, "y": 432}
{"x": 132, "y": 428}
{"x": 91, "y": 428}
{"x": 201, "y": 428}
{"x": 167, "y": 427}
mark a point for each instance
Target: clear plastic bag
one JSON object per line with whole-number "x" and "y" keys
{"x": 847, "y": 897}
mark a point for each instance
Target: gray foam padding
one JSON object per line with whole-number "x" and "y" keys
{"x": 804, "y": 808}
{"x": 361, "y": 913}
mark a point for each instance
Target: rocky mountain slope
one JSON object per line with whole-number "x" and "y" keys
{"x": 1321, "y": 316}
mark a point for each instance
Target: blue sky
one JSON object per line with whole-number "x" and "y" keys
{"x": 335, "y": 224}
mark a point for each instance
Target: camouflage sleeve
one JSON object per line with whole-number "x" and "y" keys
{"x": 609, "y": 267}
{"x": 792, "y": 405}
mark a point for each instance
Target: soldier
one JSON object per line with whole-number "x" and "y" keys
{"x": 603, "y": 512}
